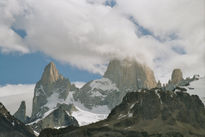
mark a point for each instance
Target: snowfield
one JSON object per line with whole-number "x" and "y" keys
{"x": 85, "y": 117}
{"x": 104, "y": 84}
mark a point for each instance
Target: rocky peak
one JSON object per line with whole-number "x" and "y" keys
{"x": 58, "y": 118}
{"x": 3, "y": 110}
{"x": 21, "y": 112}
{"x": 12, "y": 127}
{"x": 51, "y": 83}
{"x": 177, "y": 76}
{"x": 128, "y": 73}
{"x": 50, "y": 74}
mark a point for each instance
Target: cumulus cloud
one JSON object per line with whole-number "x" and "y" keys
{"x": 88, "y": 33}
{"x": 9, "y": 40}
{"x": 12, "y": 95}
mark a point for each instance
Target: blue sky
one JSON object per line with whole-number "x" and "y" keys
{"x": 16, "y": 68}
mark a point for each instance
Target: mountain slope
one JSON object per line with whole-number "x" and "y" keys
{"x": 57, "y": 118}
{"x": 147, "y": 113}
{"x": 11, "y": 127}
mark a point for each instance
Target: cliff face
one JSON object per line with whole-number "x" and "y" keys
{"x": 177, "y": 76}
{"x": 57, "y": 119}
{"x": 51, "y": 82}
{"x": 121, "y": 77}
{"x": 11, "y": 127}
{"x": 147, "y": 113}
{"x": 130, "y": 74}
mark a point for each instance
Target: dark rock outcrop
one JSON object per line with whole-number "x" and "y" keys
{"x": 21, "y": 112}
{"x": 59, "y": 118}
{"x": 12, "y": 127}
{"x": 147, "y": 113}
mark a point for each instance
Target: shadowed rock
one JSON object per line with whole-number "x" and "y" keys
{"x": 12, "y": 127}
{"x": 21, "y": 112}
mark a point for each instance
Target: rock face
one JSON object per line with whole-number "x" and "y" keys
{"x": 51, "y": 82}
{"x": 147, "y": 113}
{"x": 177, "y": 76}
{"x": 121, "y": 77}
{"x": 100, "y": 92}
{"x": 21, "y": 112}
{"x": 11, "y": 127}
{"x": 130, "y": 74}
{"x": 57, "y": 119}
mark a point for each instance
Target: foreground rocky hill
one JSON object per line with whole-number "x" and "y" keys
{"x": 146, "y": 113}
{"x": 11, "y": 127}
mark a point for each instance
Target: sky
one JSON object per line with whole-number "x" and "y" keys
{"x": 82, "y": 36}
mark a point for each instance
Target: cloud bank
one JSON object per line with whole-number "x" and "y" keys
{"x": 12, "y": 95}
{"x": 88, "y": 33}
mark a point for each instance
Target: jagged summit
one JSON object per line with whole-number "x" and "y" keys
{"x": 51, "y": 83}
{"x": 21, "y": 112}
{"x": 50, "y": 74}
{"x": 177, "y": 76}
{"x": 128, "y": 73}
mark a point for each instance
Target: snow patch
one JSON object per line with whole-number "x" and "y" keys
{"x": 104, "y": 84}
{"x": 132, "y": 106}
{"x": 97, "y": 94}
{"x": 158, "y": 94}
{"x": 130, "y": 114}
{"x": 85, "y": 117}
{"x": 121, "y": 116}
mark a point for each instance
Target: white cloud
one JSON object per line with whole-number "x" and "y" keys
{"x": 79, "y": 84}
{"x": 9, "y": 40}
{"x": 12, "y": 95}
{"x": 86, "y": 33}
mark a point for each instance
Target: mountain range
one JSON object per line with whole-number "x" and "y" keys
{"x": 127, "y": 101}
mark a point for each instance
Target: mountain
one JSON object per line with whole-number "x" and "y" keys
{"x": 177, "y": 80}
{"x": 56, "y": 118}
{"x": 21, "y": 112}
{"x": 197, "y": 87}
{"x": 120, "y": 77}
{"x": 128, "y": 73}
{"x": 54, "y": 93}
{"x": 96, "y": 98}
{"x": 51, "y": 83}
{"x": 11, "y": 127}
{"x": 146, "y": 113}
{"x": 177, "y": 76}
